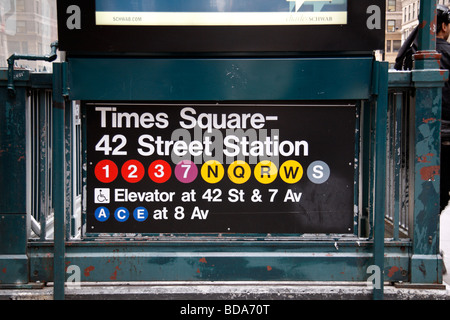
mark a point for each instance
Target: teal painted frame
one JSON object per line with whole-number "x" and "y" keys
{"x": 197, "y": 257}
{"x": 14, "y": 117}
{"x": 244, "y": 79}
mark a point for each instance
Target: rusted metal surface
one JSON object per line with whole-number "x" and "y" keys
{"x": 242, "y": 260}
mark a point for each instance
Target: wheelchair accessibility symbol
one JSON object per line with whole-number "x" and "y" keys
{"x": 101, "y": 195}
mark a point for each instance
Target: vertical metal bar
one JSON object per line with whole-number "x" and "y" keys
{"x": 68, "y": 155}
{"x": 68, "y": 168}
{"x": 427, "y": 26}
{"x": 371, "y": 177}
{"x": 83, "y": 148}
{"x": 380, "y": 182}
{"x": 365, "y": 168}
{"x": 49, "y": 181}
{"x": 43, "y": 126}
{"x": 357, "y": 170}
{"x": 407, "y": 182}
{"x": 34, "y": 155}
{"x": 48, "y": 168}
{"x": 390, "y": 141}
{"x": 397, "y": 163}
{"x": 58, "y": 157}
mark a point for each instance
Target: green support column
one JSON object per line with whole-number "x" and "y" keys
{"x": 427, "y": 25}
{"x": 58, "y": 196}
{"x": 381, "y": 111}
{"x": 426, "y": 263}
{"x": 13, "y": 182}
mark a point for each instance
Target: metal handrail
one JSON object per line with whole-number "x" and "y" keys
{"x": 14, "y": 57}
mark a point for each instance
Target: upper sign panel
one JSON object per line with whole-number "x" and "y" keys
{"x": 143, "y": 27}
{"x": 220, "y": 12}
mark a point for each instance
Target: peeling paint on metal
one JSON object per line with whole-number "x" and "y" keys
{"x": 427, "y": 55}
{"x": 114, "y": 275}
{"x": 424, "y": 158}
{"x": 429, "y": 120}
{"x": 428, "y": 173}
{"x": 393, "y": 270}
{"x": 88, "y": 270}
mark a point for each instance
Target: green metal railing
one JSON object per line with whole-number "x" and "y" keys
{"x": 41, "y": 184}
{"x": 397, "y": 172}
{"x": 398, "y": 243}
{"x": 355, "y": 252}
{"x": 398, "y": 215}
{"x": 43, "y": 164}
{"x": 42, "y": 110}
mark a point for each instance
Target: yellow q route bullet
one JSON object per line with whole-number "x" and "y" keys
{"x": 239, "y": 172}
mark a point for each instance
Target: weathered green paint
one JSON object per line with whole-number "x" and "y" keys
{"x": 13, "y": 249}
{"x": 13, "y": 182}
{"x": 214, "y": 260}
{"x": 58, "y": 196}
{"x": 426, "y": 185}
{"x": 380, "y": 174}
{"x": 427, "y": 25}
{"x": 13, "y": 159}
{"x": 244, "y": 257}
{"x": 220, "y": 79}
{"x": 426, "y": 263}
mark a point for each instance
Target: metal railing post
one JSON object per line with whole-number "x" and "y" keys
{"x": 58, "y": 198}
{"x": 381, "y": 111}
{"x": 13, "y": 58}
{"x": 428, "y": 80}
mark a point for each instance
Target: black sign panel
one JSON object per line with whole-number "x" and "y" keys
{"x": 220, "y": 27}
{"x": 220, "y": 168}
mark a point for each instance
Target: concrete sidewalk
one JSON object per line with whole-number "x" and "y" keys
{"x": 237, "y": 290}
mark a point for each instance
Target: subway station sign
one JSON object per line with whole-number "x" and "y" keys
{"x": 220, "y": 26}
{"x": 220, "y": 168}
